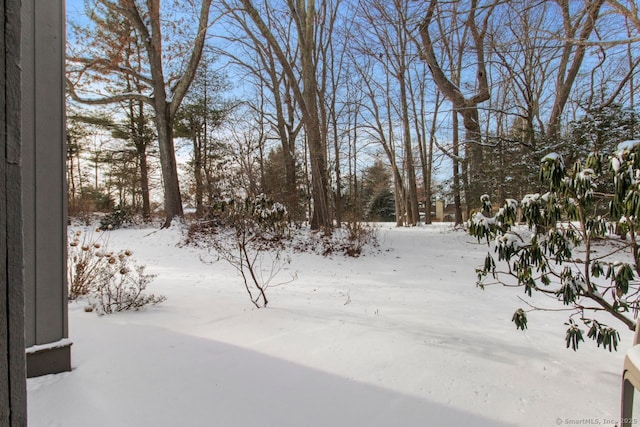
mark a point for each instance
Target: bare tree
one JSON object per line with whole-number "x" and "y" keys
{"x": 306, "y": 92}
{"x": 164, "y": 88}
{"x": 376, "y": 124}
{"x": 465, "y": 106}
{"x": 331, "y": 56}
{"x": 390, "y": 45}
{"x": 577, "y": 30}
{"x": 628, "y": 9}
{"x": 275, "y": 102}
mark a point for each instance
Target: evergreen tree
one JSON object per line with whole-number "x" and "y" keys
{"x": 382, "y": 207}
{"x": 377, "y": 198}
{"x": 275, "y": 184}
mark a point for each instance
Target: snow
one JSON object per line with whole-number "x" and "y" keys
{"x": 482, "y": 221}
{"x": 509, "y": 240}
{"x": 511, "y": 203}
{"x": 615, "y": 164}
{"x": 628, "y": 145}
{"x": 551, "y": 157}
{"x": 65, "y": 342}
{"x": 398, "y": 337}
{"x": 530, "y": 199}
{"x": 585, "y": 174}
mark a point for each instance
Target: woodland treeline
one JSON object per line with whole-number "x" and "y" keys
{"x": 341, "y": 110}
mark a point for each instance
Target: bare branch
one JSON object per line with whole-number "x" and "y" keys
{"x": 106, "y": 99}
{"x": 105, "y": 65}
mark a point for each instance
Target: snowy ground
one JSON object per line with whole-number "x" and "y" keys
{"x": 400, "y": 337}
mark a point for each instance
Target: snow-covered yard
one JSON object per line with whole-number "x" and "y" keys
{"x": 398, "y": 337}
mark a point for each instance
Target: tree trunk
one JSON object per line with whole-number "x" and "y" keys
{"x": 140, "y": 142}
{"x": 321, "y": 218}
{"x": 457, "y": 199}
{"x": 467, "y": 107}
{"x": 474, "y": 156}
{"x": 197, "y": 173}
{"x": 336, "y": 147}
{"x": 567, "y": 78}
{"x": 413, "y": 213}
{"x": 144, "y": 183}
{"x": 399, "y": 197}
{"x": 428, "y": 163}
{"x": 171, "y": 185}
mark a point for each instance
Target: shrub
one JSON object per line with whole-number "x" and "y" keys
{"x": 252, "y": 241}
{"x": 85, "y": 205}
{"x": 382, "y": 207}
{"x": 110, "y": 281}
{"x": 358, "y": 235}
{"x": 123, "y": 288}
{"x": 121, "y": 216}
{"x": 351, "y": 240}
{"x": 586, "y": 261}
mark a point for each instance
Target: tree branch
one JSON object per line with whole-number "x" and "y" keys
{"x": 105, "y": 64}
{"x": 183, "y": 84}
{"x": 104, "y": 100}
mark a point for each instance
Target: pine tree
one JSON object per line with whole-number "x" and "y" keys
{"x": 377, "y": 196}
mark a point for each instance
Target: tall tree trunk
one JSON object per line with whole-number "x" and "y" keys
{"x": 321, "y": 218}
{"x": 144, "y": 183}
{"x": 140, "y": 187}
{"x": 164, "y": 115}
{"x": 413, "y": 213}
{"x": 171, "y": 185}
{"x": 427, "y": 169}
{"x": 473, "y": 156}
{"x": 457, "y": 199}
{"x": 336, "y": 148}
{"x": 467, "y": 107}
{"x": 399, "y": 197}
{"x": 197, "y": 173}
{"x": 566, "y": 78}
{"x": 140, "y": 142}
{"x": 418, "y": 113}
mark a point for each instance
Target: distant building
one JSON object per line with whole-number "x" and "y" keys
{"x": 441, "y": 212}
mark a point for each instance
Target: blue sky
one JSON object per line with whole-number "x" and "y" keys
{"x": 74, "y": 6}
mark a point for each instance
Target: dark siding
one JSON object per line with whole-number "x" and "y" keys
{"x": 44, "y": 171}
{"x": 28, "y": 173}
{"x": 12, "y": 357}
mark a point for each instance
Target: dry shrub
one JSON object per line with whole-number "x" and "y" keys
{"x": 110, "y": 281}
